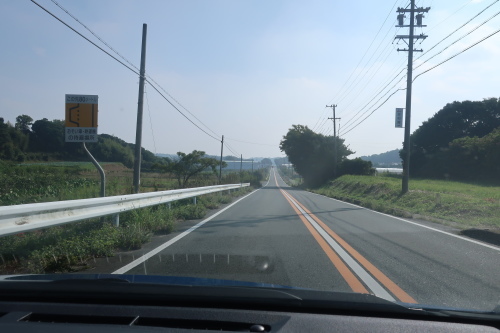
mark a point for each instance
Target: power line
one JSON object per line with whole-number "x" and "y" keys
{"x": 459, "y": 39}
{"x": 122, "y": 63}
{"x": 88, "y": 40}
{"x": 342, "y": 90}
{"x": 175, "y": 107}
{"x": 362, "y": 58}
{"x": 95, "y": 35}
{"x": 130, "y": 63}
{"x": 442, "y": 62}
{"x": 230, "y": 149}
{"x": 456, "y": 54}
{"x": 374, "y": 110}
{"x": 252, "y": 143}
{"x": 381, "y": 90}
{"x": 354, "y": 124}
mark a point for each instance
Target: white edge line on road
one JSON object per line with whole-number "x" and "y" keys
{"x": 370, "y": 282}
{"x": 162, "y": 247}
{"x": 414, "y": 223}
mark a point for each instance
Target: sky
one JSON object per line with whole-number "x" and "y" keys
{"x": 248, "y": 70}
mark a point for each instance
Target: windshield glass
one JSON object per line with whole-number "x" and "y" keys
{"x": 329, "y": 145}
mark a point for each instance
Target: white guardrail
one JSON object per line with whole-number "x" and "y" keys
{"x": 20, "y": 218}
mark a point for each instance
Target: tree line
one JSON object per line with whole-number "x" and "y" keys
{"x": 460, "y": 142}
{"x": 43, "y": 140}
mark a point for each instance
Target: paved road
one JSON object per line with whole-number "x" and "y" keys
{"x": 285, "y": 236}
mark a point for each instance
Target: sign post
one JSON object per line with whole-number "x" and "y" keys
{"x": 81, "y": 126}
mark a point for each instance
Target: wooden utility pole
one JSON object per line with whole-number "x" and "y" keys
{"x": 411, "y": 36}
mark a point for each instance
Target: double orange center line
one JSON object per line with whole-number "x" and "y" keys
{"x": 361, "y": 275}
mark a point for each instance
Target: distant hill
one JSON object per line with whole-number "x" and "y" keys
{"x": 388, "y": 159}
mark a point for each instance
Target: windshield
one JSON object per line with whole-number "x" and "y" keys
{"x": 331, "y": 146}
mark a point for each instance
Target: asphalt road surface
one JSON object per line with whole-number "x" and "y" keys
{"x": 284, "y": 236}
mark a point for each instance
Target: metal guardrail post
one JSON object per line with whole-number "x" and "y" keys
{"x": 116, "y": 220}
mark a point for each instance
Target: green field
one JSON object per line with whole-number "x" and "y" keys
{"x": 458, "y": 204}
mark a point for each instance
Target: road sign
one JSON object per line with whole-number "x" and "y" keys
{"x": 81, "y": 118}
{"x": 399, "y": 118}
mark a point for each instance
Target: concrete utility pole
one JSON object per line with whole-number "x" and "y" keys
{"x": 220, "y": 166}
{"x": 138, "y": 132}
{"x": 410, "y": 37}
{"x": 241, "y": 167}
{"x": 333, "y": 106}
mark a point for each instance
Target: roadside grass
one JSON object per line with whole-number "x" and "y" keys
{"x": 71, "y": 247}
{"x": 458, "y": 204}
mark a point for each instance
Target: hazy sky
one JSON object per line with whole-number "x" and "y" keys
{"x": 247, "y": 69}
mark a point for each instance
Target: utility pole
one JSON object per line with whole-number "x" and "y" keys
{"x": 220, "y": 166}
{"x": 241, "y": 167}
{"x": 411, "y": 36}
{"x": 333, "y": 106}
{"x": 138, "y": 132}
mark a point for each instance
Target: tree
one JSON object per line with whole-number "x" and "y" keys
{"x": 312, "y": 154}
{"x": 456, "y": 120}
{"x": 23, "y": 123}
{"x": 13, "y": 142}
{"x": 266, "y": 161}
{"x": 188, "y": 165}
{"x": 474, "y": 158}
{"x": 48, "y": 136}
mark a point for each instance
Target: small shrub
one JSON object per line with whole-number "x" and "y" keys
{"x": 190, "y": 212}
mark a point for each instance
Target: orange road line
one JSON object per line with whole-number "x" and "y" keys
{"x": 346, "y": 273}
{"x": 374, "y": 271}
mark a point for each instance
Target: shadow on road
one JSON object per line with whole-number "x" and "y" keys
{"x": 483, "y": 235}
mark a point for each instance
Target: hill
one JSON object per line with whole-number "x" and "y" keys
{"x": 388, "y": 159}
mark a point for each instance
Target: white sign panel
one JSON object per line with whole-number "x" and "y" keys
{"x": 399, "y": 118}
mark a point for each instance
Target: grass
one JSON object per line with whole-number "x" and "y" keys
{"x": 462, "y": 205}
{"x": 71, "y": 247}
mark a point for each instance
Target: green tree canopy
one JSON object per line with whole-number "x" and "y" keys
{"x": 456, "y": 120}
{"x": 23, "y": 123}
{"x": 188, "y": 165}
{"x": 312, "y": 154}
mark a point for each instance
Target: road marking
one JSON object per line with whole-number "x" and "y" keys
{"x": 162, "y": 247}
{"x": 346, "y": 273}
{"x": 374, "y": 271}
{"x": 370, "y": 282}
{"x": 353, "y": 259}
{"x": 414, "y": 223}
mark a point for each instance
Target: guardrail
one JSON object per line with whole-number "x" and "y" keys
{"x": 20, "y": 218}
